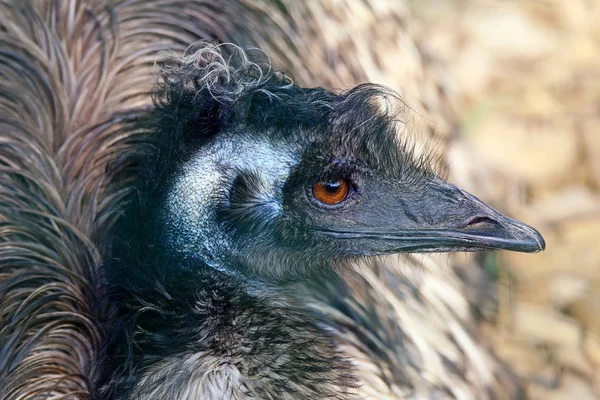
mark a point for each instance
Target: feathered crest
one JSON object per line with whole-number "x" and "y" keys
{"x": 213, "y": 87}
{"x": 226, "y": 71}
{"x": 207, "y": 85}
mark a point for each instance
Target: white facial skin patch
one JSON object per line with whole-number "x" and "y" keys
{"x": 190, "y": 215}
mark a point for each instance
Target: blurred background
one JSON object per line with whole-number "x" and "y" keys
{"x": 522, "y": 79}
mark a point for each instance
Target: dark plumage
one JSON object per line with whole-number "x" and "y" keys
{"x": 223, "y": 218}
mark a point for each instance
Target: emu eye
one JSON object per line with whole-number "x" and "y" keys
{"x": 332, "y": 192}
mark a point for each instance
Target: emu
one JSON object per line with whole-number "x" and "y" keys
{"x": 75, "y": 82}
{"x": 247, "y": 185}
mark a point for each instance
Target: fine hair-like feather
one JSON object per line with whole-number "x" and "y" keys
{"x": 75, "y": 75}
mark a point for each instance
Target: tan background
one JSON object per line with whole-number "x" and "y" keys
{"x": 524, "y": 81}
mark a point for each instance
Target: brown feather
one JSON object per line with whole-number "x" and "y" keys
{"x": 74, "y": 73}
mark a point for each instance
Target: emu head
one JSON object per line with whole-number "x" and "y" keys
{"x": 250, "y": 173}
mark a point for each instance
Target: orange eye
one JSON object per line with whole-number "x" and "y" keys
{"x": 332, "y": 192}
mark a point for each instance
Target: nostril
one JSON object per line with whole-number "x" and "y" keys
{"x": 480, "y": 221}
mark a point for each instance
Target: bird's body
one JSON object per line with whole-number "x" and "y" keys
{"x": 225, "y": 338}
{"x": 216, "y": 288}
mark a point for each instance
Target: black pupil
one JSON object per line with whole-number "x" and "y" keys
{"x": 333, "y": 187}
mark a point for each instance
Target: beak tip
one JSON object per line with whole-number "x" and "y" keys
{"x": 541, "y": 243}
{"x": 535, "y": 241}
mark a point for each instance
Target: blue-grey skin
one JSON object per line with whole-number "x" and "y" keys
{"x": 191, "y": 221}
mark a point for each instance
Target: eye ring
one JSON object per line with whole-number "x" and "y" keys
{"x": 332, "y": 192}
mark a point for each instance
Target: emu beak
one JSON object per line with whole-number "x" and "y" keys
{"x": 442, "y": 218}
